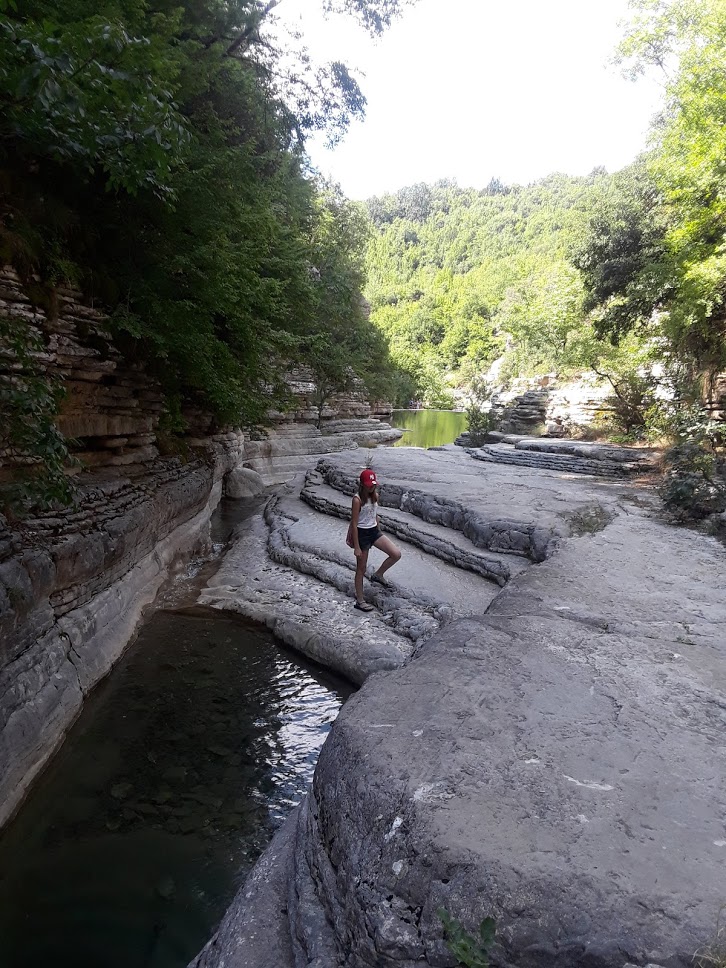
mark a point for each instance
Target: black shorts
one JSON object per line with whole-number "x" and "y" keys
{"x": 367, "y": 537}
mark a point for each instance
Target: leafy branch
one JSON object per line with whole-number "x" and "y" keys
{"x": 31, "y": 443}
{"x": 471, "y": 952}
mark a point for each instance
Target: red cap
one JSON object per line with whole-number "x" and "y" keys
{"x": 368, "y": 479}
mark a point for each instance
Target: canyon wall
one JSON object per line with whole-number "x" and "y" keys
{"x": 298, "y": 437}
{"x": 74, "y": 582}
{"x": 559, "y": 408}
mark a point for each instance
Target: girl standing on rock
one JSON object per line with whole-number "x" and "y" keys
{"x": 366, "y": 534}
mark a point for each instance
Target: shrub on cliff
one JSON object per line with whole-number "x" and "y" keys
{"x": 35, "y": 455}
{"x": 694, "y": 484}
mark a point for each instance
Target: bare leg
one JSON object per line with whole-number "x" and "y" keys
{"x": 360, "y": 570}
{"x": 388, "y": 548}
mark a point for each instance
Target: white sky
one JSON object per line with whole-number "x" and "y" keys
{"x": 471, "y": 89}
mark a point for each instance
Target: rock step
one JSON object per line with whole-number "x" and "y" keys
{"x": 313, "y": 443}
{"x": 279, "y": 458}
{"x": 278, "y": 470}
{"x": 292, "y": 570}
{"x": 358, "y": 425}
{"x": 635, "y": 458}
{"x": 500, "y": 535}
{"x": 434, "y": 539}
{"x": 421, "y": 586}
{"x": 324, "y": 627}
{"x": 503, "y": 454}
{"x": 628, "y": 456}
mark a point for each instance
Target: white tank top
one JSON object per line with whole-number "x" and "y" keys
{"x": 367, "y": 515}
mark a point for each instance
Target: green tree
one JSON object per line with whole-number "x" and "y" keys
{"x": 623, "y": 257}
{"x": 686, "y": 41}
{"x": 28, "y": 435}
{"x": 544, "y": 317}
{"x": 469, "y": 275}
{"x": 343, "y": 346}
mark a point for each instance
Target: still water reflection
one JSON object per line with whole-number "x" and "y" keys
{"x": 428, "y": 428}
{"x": 182, "y": 765}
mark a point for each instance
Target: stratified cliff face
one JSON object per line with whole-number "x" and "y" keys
{"x": 297, "y": 438}
{"x": 74, "y": 583}
{"x": 72, "y": 590}
{"x": 567, "y": 408}
{"x": 111, "y": 410}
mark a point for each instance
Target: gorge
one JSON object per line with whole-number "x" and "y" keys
{"x": 515, "y": 758}
{"x": 541, "y": 689}
{"x": 541, "y": 697}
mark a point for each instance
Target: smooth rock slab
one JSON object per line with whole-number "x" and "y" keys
{"x": 249, "y": 937}
{"x": 535, "y": 770}
{"x": 318, "y": 621}
{"x": 557, "y": 762}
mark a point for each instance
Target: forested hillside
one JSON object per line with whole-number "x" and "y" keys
{"x": 458, "y": 277}
{"x": 623, "y": 273}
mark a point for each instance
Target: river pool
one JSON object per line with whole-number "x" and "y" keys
{"x": 428, "y": 428}
{"x": 184, "y": 762}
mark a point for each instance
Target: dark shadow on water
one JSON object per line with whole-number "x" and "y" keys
{"x": 182, "y": 765}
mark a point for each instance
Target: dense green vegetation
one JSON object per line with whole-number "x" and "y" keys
{"x": 623, "y": 274}
{"x": 458, "y": 277}
{"x": 152, "y": 153}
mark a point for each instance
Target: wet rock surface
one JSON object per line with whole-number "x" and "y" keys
{"x": 549, "y": 753}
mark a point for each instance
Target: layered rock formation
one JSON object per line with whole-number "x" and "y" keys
{"x": 544, "y": 751}
{"x": 74, "y": 584}
{"x": 574, "y": 456}
{"x": 523, "y": 413}
{"x": 545, "y": 405}
{"x": 111, "y": 410}
{"x": 299, "y": 436}
{"x": 73, "y": 587}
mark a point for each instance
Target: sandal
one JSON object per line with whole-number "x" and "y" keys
{"x": 363, "y": 607}
{"x": 378, "y": 579}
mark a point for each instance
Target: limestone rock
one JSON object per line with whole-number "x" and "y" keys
{"x": 110, "y": 411}
{"x": 545, "y": 759}
{"x": 296, "y": 439}
{"x": 243, "y": 482}
{"x": 73, "y": 586}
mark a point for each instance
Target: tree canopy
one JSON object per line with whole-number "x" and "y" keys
{"x": 459, "y": 277}
{"x": 153, "y": 154}
{"x": 558, "y": 274}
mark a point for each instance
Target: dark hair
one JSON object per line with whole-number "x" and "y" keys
{"x": 363, "y": 494}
